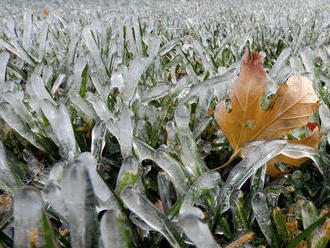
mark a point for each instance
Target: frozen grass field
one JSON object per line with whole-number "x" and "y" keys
{"x": 107, "y": 131}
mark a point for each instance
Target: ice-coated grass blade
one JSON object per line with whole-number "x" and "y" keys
{"x": 164, "y": 161}
{"x": 203, "y": 185}
{"x": 240, "y": 220}
{"x": 325, "y": 118}
{"x": 132, "y": 77}
{"x": 262, "y": 214}
{"x": 83, "y": 106}
{"x": 299, "y": 151}
{"x": 168, "y": 46}
{"x": 39, "y": 89}
{"x": 79, "y": 199}
{"x": 103, "y": 194}
{"x": 12, "y": 119}
{"x": 9, "y": 182}
{"x": 27, "y": 223}
{"x": 128, "y": 173}
{"x": 151, "y": 215}
{"x": 59, "y": 120}
{"x": 197, "y": 231}
{"x": 308, "y": 213}
{"x": 114, "y": 232}
{"x": 4, "y": 58}
{"x": 164, "y": 188}
{"x": 89, "y": 37}
{"x": 256, "y": 157}
{"x": 98, "y": 139}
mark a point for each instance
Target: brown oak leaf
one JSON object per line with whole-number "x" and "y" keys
{"x": 246, "y": 121}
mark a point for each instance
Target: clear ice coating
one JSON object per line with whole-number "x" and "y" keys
{"x": 89, "y": 37}
{"x": 27, "y": 222}
{"x": 98, "y": 139}
{"x": 82, "y": 105}
{"x": 164, "y": 189}
{"x": 7, "y": 181}
{"x": 104, "y": 196}
{"x": 236, "y": 207}
{"x": 114, "y": 233}
{"x": 143, "y": 208}
{"x": 122, "y": 128}
{"x": 128, "y": 173}
{"x": 258, "y": 155}
{"x": 297, "y": 151}
{"x": 39, "y": 89}
{"x": 155, "y": 92}
{"x": 4, "y": 58}
{"x": 182, "y": 117}
{"x": 262, "y": 214}
{"x": 79, "y": 67}
{"x": 59, "y": 81}
{"x": 13, "y": 120}
{"x": 168, "y": 46}
{"x": 77, "y": 192}
{"x": 189, "y": 154}
{"x": 325, "y": 119}
{"x": 60, "y": 122}
{"x": 132, "y": 77}
{"x": 191, "y": 221}
{"x": 207, "y": 181}
{"x": 161, "y": 157}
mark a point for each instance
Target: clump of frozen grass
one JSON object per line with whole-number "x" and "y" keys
{"x": 107, "y": 124}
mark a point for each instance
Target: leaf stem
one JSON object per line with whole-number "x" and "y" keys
{"x": 229, "y": 161}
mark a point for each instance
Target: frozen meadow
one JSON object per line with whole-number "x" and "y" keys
{"x": 107, "y": 133}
